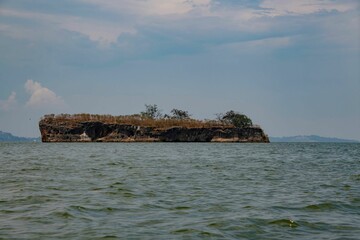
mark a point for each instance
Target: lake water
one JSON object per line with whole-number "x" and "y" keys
{"x": 179, "y": 191}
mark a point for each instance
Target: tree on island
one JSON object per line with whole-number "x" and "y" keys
{"x": 153, "y": 117}
{"x": 180, "y": 114}
{"x": 231, "y": 117}
{"x": 152, "y": 111}
{"x": 237, "y": 119}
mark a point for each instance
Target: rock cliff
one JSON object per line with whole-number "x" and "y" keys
{"x": 98, "y": 131}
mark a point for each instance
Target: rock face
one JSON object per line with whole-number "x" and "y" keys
{"x": 94, "y": 131}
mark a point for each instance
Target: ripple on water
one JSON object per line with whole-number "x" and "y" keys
{"x": 93, "y": 209}
{"x": 65, "y": 215}
{"x": 179, "y": 191}
{"x": 109, "y": 237}
{"x": 194, "y": 232}
{"x": 355, "y": 177}
{"x": 284, "y": 223}
{"x": 33, "y": 199}
{"x": 330, "y": 206}
{"x": 181, "y": 208}
{"x": 321, "y": 207}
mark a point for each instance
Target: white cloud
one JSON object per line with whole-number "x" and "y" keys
{"x": 197, "y": 16}
{"x": 276, "y": 42}
{"x": 8, "y": 103}
{"x": 296, "y": 7}
{"x": 182, "y": 7}
{"x": 104, "y": 33}
{"x": 41, "y": 96}
{"x": 255, "y": 46}
{"x": 151, "y": 7}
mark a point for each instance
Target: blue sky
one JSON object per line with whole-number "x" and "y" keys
{"x": 292, "y": 66}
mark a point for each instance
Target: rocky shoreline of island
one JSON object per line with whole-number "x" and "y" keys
{"x": 150, "y": 126}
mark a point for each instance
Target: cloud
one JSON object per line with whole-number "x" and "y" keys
{"x": 41, "y": 96}
{"x": 243, "y": 9}
{"x": 142, "y": 28}
{"x": 151, "y": 7}
{"x": 254, "y": 46}
{"x": 8, "y": 103}
{"x": 102, "y": 32}
{"x": 295, "y": 7}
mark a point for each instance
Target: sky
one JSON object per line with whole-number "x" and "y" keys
{"x": 292, "y": 66}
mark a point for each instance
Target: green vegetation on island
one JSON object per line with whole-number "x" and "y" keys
{"x": 152, "y": 116}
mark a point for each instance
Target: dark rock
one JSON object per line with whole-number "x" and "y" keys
{"x": 95, "y": 131}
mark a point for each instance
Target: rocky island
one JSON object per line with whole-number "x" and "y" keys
{"x": 149, "y": 126}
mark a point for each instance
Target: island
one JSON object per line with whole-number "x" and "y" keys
{"x": 149, "y": 126}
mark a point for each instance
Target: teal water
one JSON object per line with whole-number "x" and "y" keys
{"x": 179, "y": 191}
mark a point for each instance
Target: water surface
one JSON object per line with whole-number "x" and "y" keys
{"x": 179, "y": 191}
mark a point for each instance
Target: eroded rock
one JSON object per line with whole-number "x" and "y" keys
{"x": 97, "y": 131}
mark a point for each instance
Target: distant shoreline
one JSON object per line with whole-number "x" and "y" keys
{"x": 8, "y": 137}
{"x": 312, "y": 138}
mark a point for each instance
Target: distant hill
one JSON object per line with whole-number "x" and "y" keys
{"x": 8, "y": 137}
{"x": 310, "y": 138}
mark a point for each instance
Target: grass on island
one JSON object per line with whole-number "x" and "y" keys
{"x": 135, "y": 120}
{"x": 152, "y": 117}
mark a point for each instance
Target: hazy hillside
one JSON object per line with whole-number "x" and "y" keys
{"x": 8, "y": 137}
{"x": 310, "y": 138}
